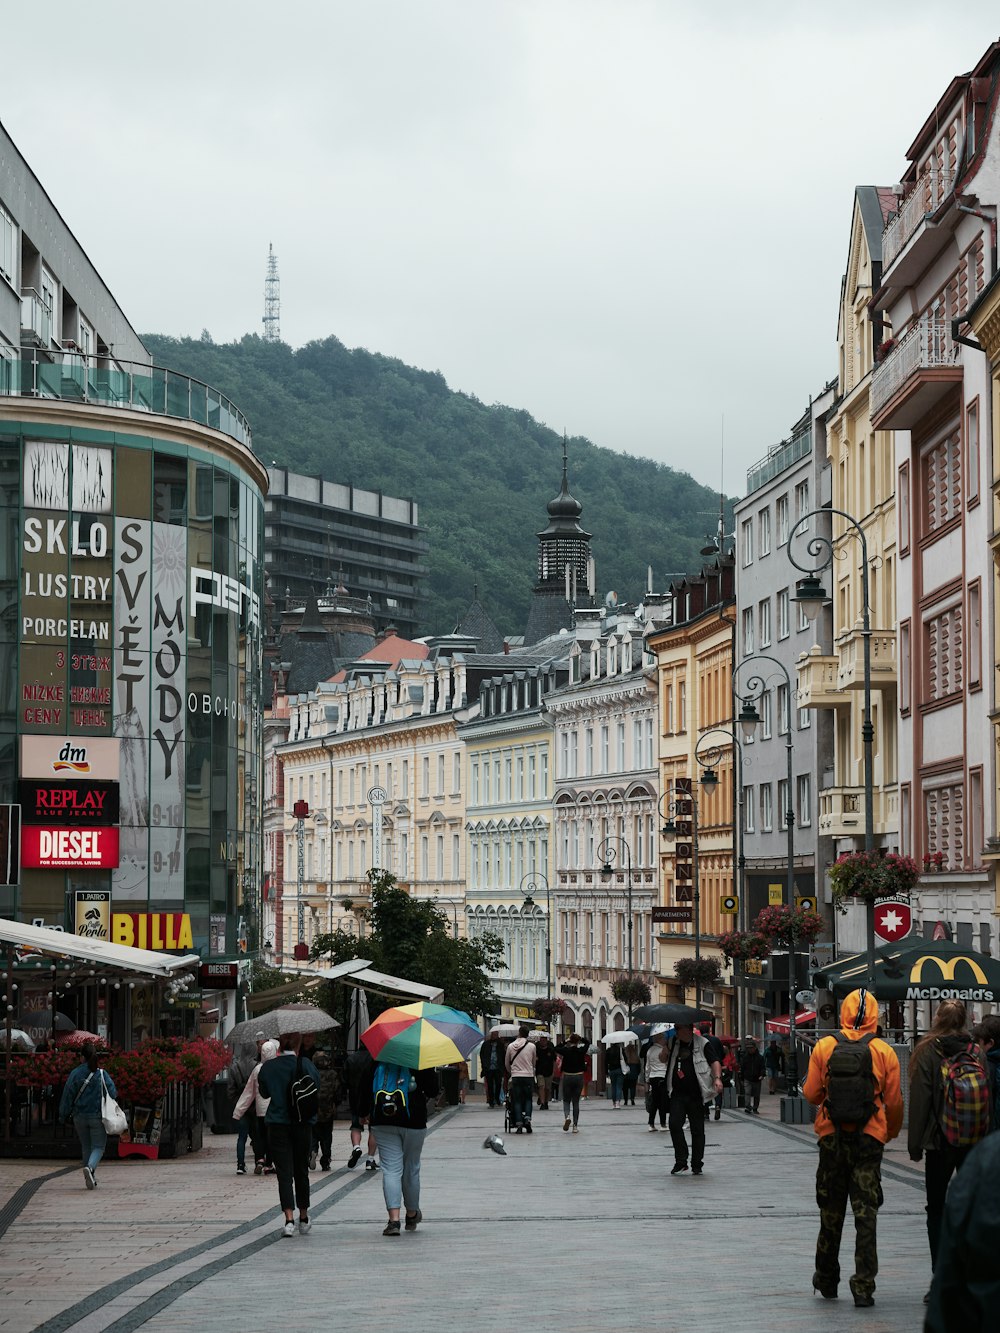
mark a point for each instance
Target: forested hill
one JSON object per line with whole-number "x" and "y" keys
{"x": 481, "y": 475}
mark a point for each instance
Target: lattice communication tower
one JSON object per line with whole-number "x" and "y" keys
{"x": 272, "y": 299}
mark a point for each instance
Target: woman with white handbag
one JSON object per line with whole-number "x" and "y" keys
{"x": 87, "y": 1090}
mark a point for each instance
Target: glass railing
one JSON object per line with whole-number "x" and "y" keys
{"x": 73, "y": 377}
{"x": 781, "y": 456}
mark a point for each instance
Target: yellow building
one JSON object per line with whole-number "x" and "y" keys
{"x": 694, "y": 657}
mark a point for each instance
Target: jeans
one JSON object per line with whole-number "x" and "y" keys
{"x": 93, "y": 1138}
{"x": 939, "y": 1167}
{"x": 615, "y": 1075}
{"x": 522, "y": 1093}
{"x": 399, "y": 1150}
{"x": 752, "y": 1086}
{"x": 693, "y": 1109}
{"x": 322, "y": 1140}
{"x": 572, "y": 1086}
{"x": 659, "y": 1101}
{"x": 242, "y": 1134}
{"x": 493, "y": 1086}
{"x": 290, "y": 1146}
{"x": 631, "y": 1081}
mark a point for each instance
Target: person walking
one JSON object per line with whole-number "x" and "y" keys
{"x": 545, "y": 1063}
{"x": 491, "y": 1061}
{"x": 573, "y": 1054}
{"x": 752, "y": 1069}
{"x": 657, "y": 1096}
{"x": 240, "y": 1070}
{"x": 519, "y": 1063}
{"x": 633, "y": 1068}
{"x": 965, "y": 1291}
{"x": 986, "y": 1035}
{"x": 925, "y": 1138}
{"x": 290, "y": 1140}
{"x": 81, "y": 1103}
{"x": 358, "y": 1071}
{"x": 329, "y": 1094}
{"x": 252, "y": 1106}
{"x": 692, "y": 1080}
{"x": 864, "y": 1084}
{"x": 773, "y": 1063}
{"x": 397, "y": 1113}
{"x": 615, "y": 1070}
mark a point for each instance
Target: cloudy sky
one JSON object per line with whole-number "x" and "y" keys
{"x": 629, "y": 217}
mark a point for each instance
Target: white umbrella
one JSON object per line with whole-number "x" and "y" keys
{"x": 506, "y": 1029}
{"x": 623, "y": 1038}
{"x": 19, "y": 1040}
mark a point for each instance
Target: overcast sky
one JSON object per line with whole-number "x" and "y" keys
{"x": 629, "y": 217}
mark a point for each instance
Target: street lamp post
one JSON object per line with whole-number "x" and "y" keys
{"x": 530, "y": 884}
{"x": 749, "y": 719}
{"x": 611, "y": 849}
{"x": 811, "y": 596}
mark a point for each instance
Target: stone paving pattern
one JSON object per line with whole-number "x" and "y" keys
{"x": 584, "y": 1232}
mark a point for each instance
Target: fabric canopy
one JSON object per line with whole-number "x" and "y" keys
{"x": 917, "y": 969}
{"x": 61, "y": 944}
{"x": 780, "y": 1024}
{"x": 359, "y": 972}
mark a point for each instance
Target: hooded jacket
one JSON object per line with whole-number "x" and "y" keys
{"x": 923, "y": 1125}
{"x": 857, "y": 1022}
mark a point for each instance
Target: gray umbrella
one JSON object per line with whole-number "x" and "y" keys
{"x": 678, "y": 1014}
{"x": 275, "y": 1023}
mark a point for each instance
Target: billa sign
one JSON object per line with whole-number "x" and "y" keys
{"x": 69, "y": 802}
{"x": 69, "y": 848}
{"x": 92, "y": 914}
{"x": 88, "y": 757}
{"x": 152, "y": 930}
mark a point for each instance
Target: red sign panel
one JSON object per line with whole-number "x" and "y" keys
{"x": 69, "y": 802}
{"x": 893, "y": 920}
{"x": 69, "y": 848}
{"x": 219, "y": 976}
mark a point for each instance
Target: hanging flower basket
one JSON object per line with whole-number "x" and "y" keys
{"x": 786, "y": 926}
{"x": 550, "y": 1011}
{"x": 630, "y": 991}
{"x": 870, "y": 875}
{"x": 697, "y": 971}
{"x": 744, "y": 944}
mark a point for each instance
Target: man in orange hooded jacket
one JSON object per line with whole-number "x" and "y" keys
{"x": 850, "y": 1156}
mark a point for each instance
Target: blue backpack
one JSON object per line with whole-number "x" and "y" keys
{"x": 390, "y": 1088}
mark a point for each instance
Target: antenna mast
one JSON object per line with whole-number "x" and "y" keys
{"x": 272, "y": 299}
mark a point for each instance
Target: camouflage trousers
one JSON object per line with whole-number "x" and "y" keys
{"x": 850, "y": 1167}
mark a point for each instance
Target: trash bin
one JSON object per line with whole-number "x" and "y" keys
{"x": 449, "y": 1084}
{"x": 221, "y": 1109}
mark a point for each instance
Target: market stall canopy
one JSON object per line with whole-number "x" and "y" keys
{"x": 916, "y": 969}
{"x": 61, "y": 944}
{"x": 779, "y": 1025}
{"x": 359, "y": 972}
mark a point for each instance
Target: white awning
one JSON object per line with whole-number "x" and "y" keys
{"x": 61, "y": 943}
{"x": 359, "y": 972}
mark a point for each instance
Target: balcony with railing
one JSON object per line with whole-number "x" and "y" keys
{"x": 131, "y": 386}
{"x": 910, "y": 225}
{"x": 817, "y": 683}
{"x": 851, "y": 650}
{"x": 915, "y": 376}
{"x": 779, "y": 457}
{"x": 36, "y": 318}
{"x": 842, "y": 811}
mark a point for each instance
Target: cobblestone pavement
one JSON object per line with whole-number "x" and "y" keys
{"x": 587, "y": 1232}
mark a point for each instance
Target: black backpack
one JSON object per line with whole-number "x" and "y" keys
{"x": 850, "y": 1081}
{"x": 303, "y": 1095}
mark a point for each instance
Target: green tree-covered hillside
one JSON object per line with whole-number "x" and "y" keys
{"x": 481, "y": 475}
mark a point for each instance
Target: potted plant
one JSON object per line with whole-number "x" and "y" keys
{"x": 744, "y": 944}
{"x": 939, "y": 861}
{"x": 551, "y": 1011}
{"x": 870, "y": 875}
{"x": 630, "y": 991}
{"x": 787, "y": 926}
{"x": 697, "y": 971}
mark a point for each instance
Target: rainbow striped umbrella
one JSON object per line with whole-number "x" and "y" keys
{"x": 422, "y": 1035}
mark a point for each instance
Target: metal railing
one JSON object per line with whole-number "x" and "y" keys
{"x": 36, "y": 315}
{"x": 929, "y": 192}
{"x": 923, "y": 347}
{"x": 779, "y": 457}
{"x": 74, "y": 377}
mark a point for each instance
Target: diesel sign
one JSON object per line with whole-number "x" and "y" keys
{"x": 68, "y": 848}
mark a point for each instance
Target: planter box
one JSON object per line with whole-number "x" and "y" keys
{"x": 797, "y": 1111}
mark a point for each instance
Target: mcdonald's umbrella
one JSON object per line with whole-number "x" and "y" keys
{"x": 916, "y": 969}
{"x": 421, "y": 1035}
{"x": 678, "y": 1014}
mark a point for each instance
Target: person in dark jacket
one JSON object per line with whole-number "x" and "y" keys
{"x": 633, "y": 1067}
{"x": 545, "y": 1063}
{"x": 947, "y": 1037}
{"x": 573, "y": 1054}
{"x": 491, "y": 1066}
{"x": 752, "y": 1071}
{"x": 81, "y": 1101}
{"x": 289, "y": 1140}
{"x": 329, "y": 1095}
{"x": 965, "y": 1290}
{"x": 987, "y": 1036}
{"x": 399, "y": 1123}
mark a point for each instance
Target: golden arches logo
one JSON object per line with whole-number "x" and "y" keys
{"x": 946, "y": 966}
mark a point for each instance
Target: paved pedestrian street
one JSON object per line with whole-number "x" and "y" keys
{"x": 585, "y": 1232}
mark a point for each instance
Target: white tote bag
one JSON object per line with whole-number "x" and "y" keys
{"x": 114, "y": 1118}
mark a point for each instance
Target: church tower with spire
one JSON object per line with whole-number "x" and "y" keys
{"x": 565, "y": 571}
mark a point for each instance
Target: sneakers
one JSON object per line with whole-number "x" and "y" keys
{"x": 258, "y": 1168}
{"x": 89, "y": 1178}
{"x": 391, "y": 1229}
{"x": 305, "y": 1226}
{"x": 576, "y": 1129}
{"x": 288, "y": 1230}
{"x": 325, "y": 1166}
{"x": 756, "y": 1110}
{"x": 411, "y": 1222}
{"x": 527, "y": 1127}
{"x": 371, "y": 1164}
{"x": 355, "y": 1157}
{"x": 718, "y": 1113}
{"x": 680, "y": 1166}
{"x": 652, "y": 1129}
{"x": 241, "y": 1170}
{"x": 312, "y": 1160}
{"x": 696, "y": 1170}
{"x": 748, "y": 1110}
{"x": 566, "y": 1123}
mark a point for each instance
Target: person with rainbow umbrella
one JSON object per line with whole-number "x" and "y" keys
{"x": 406, "y": 1043}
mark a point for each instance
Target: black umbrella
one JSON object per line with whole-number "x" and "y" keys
{"x": 678, "y": 1014}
